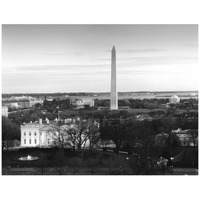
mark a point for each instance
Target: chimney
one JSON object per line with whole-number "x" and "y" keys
{"x": 40, "y": 121}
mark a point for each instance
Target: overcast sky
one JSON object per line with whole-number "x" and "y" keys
{"x": 77, "y": 58}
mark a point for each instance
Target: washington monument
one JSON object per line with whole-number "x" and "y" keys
{"x": 114, "y": 96}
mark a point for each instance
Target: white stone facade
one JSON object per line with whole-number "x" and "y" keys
{"x": 35, "y": 135}
{"x": 45, "y": 135}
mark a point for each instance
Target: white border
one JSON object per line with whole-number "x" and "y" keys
{"x": 99, "y": 12}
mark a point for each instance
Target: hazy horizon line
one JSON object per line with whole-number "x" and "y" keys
{"x": 104, "y": 92}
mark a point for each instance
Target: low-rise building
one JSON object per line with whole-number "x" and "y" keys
{"x": 4, "y": 111}
{"x": 186, "y": 137}
{"x": 25, "y": 103}
{"x": 83, "y": 103}
{"x": 34, "y": 101}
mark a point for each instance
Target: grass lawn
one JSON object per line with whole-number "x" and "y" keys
{"x": 47, "y": 157}
{"x": 53, "y": 158}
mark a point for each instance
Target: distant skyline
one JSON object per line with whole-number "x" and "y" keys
{"x": 77, "y": 58}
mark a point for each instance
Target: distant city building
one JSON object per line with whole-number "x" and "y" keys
{"x": 123, "y": 107}
{"x": 25, "y": 103}
{"x": 21, "y": 98}
{"x": 5, "y": 111}
{"x": 107, "y": 143}
{"x": 83, "y": 103}
{"x": 143, "y": 117}
{"x": 14, "y": 105}
{"x": 174, "y": 99}
{"x": 62, "y": 104}
{"x": 49, "y": 99}
{"x": 34, "y": 101}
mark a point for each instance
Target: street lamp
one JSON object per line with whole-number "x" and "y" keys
{"x": 171, "y": 164}
{"x": 58, "y": 112}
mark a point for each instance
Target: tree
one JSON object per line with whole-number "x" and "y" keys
{"x": 161, "y": 140}
{"x": 59, "y": 136}
{"x": 82, "y": 131}
{"x": 194, "y": 137}
{"x": 116, "y": 130}
{"x": 78, "y": 132}
{"x": 37, "y": 106}
{"x": 10, "y": 132}
{"x": 151, "y": 149}
{"x": 92, "y": 133}
{"x": 61, "y": 140}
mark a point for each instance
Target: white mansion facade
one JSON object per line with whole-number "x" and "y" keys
{"x": 35, "y": 135}
{"x": 38, "y": 134}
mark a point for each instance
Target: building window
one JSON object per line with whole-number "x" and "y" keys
{"x": 29, "y": 133}
{"x": 24, "y": 133}
{"x": 35, "y": 133}
{"x": 29, "y": 141}
{"x": 48, "y": 141}
{"x": 40, "y": 133}
{"x": 35, "y": 141}
{"x": 24, "y": 141}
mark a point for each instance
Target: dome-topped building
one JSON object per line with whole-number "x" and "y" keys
{"x": 174, "y": 99}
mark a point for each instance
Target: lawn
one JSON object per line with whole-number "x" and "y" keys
{"x": 47, "y": 157}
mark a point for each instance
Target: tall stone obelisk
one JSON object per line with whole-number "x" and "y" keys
{"x": 114, "y": 96}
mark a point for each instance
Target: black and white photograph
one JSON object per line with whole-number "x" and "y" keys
{"x": 100, "y": 99}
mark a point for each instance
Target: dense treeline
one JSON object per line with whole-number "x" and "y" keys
{"x": 51, "y": 106}
{"x": 10, "y": 132}
{"x": 131, "y": 130}
{"x": 149, "y": 103}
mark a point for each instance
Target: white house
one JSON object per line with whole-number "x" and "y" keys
{"x": 38, "y": 134}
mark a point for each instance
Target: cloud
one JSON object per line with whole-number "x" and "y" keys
{"x": 53, "y": 54}
{"x": 155, "y": 60}
{"x": 62, "y": 54}
{"x": 123, "y": 64}
{"x": 141, "y": 50}
{"x": 148, "y": 50}
{"x": 50, "y": 68}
